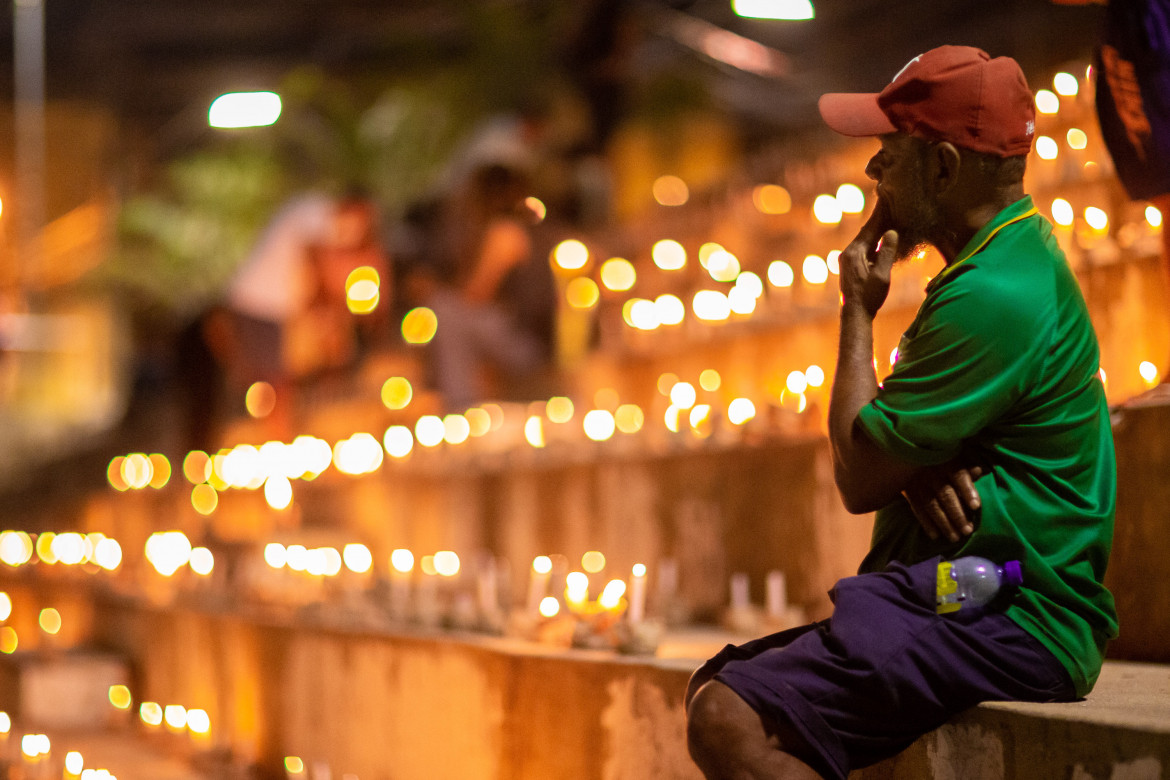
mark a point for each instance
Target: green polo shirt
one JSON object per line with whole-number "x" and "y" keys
{"x": 1000, "y": 366}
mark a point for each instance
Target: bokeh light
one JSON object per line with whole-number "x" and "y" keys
{"x": 278, "y": 492}
{"x": 1065, "y": 84}
{"x": 429, "y": 430}
{"x": 771, "y": 199}
{"x": 582, "y": 293}
{"x": 669, "y": 310}
{"x": 49, "y": 620}
{"x": 534, "y": 431}
{"x": 357, "y": 558}
{"x": 618, "y": 274}
{"x": 1062, "y": 212}
{"x": 669, "y": 255}
{"x": 629, "y": 418}
{"x": 711, "y": 305}
{"x": 740, "y": 410}
{"x": 683, "y": 395}
{"x": 260, "y": 399}
{"x": 397, "y": 392}
{"x": 1047, "y": 148}
{"x": 670, "y": 191}
{"x": 559, "y": 409}
{"x": 120, "y": 697}
{"x": 198, "y": 721}
{"x": 197, "y": 467}
{"x": 780, "y": 274}
{"x": 456, "y": 429}
{"x": 827, "y": 210}
{"x": 1096, "y": 218}
{"x": 593, "y": 561}
{"x": 815, "y": 270}
{"x": 167, "y": 551}
{"x": 723, "y": 266}
{"x": 402, "y": 560}
{"x": 1153, "y": 216}
{"x": 570, "y": 255}
{"x": 419, "y": 326}
{"x": 446, "y": 563}
{"x": 204, "y": 499}
{"x": 599, "y": 425}
{"x": 1047, "y": 102}
{"x": 611, "y": 594}
{"x": 202, "y": 561}
{"x": 851, "y": 199}
{"x": 398, "y": 441}
{"x": 362, "y": 290}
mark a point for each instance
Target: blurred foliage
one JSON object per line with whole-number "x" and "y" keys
{"x": 391, "y": 132}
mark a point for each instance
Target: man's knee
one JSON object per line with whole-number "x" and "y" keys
{"x": 701, "y": 676}
{"x": 717, "y": 719}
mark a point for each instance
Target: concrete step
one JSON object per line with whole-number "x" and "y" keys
{"x": 1120, "y": 732}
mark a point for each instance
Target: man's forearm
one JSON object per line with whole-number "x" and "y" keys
{"x": 854, "y": 385}
{"x": 859, "y": 468}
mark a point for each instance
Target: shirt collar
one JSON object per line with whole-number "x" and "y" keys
{"x": 1021, "y": 209}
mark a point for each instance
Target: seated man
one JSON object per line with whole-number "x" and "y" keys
{"x": 990, "y": 437}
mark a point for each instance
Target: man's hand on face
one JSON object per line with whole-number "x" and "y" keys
{"x": 944, "y": 500}
{"x": 865, "y": 268}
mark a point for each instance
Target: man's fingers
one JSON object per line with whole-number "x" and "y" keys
{"x": 871, "y": 231}
{"x": 886, "y": 255}
{"x": 951, "y": 517}
{"x": 963, "y": 482}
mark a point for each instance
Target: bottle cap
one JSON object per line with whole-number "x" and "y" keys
{"x": 1013, "y": 574}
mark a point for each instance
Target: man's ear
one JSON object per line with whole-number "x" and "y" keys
{"x": 946, "y": 163}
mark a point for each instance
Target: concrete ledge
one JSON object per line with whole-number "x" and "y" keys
{"x": 436, "y": 706}
{"x": 1120, "y": 732}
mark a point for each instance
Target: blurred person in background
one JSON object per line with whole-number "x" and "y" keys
{"x": 284, "y": 314}
{"x": 332, "y": 335}
{"x": 491, "y": 289}
{"x": 1132, "y": 62}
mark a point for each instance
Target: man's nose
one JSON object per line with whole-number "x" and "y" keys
{"x": 872, "y": 169}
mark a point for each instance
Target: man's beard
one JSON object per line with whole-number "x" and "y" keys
{"x": 920, "y": 228}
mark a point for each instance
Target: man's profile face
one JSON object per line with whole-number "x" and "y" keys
{"x": 899, "y": 170}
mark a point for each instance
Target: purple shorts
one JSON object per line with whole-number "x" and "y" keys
{"x": 885, "y": 669}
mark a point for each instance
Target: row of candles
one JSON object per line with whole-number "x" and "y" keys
{"x": 427, "y": 590}
{"x": 36, "y": 758}
{"x": 618, "y": 275}
{"x": 272, "y": 466}
{"x": 579, "y": 606}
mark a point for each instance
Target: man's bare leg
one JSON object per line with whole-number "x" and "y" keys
{"x": 729, "y": 741}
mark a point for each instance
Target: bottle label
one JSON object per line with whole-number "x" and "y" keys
{"x": 945, "y": 600}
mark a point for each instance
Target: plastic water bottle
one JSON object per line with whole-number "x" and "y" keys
{"x": 973, "y": 582}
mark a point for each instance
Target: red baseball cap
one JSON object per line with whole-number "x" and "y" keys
{"x": 953, "y": 93}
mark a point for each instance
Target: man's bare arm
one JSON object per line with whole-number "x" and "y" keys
{"x": 866, "y": 476}
{"x": 943, "y": 498}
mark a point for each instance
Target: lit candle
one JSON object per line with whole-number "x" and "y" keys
{"x": 638, "y": 593}
{"x": 538, "y": 583}
{"x": 576, "y": 590}
{"x": 401, "y": 565}
{"x": 776, "y": 596}
{"x": 74, "y": 763}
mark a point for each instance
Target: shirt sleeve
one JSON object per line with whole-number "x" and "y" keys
{"x": 970, "y": 355}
